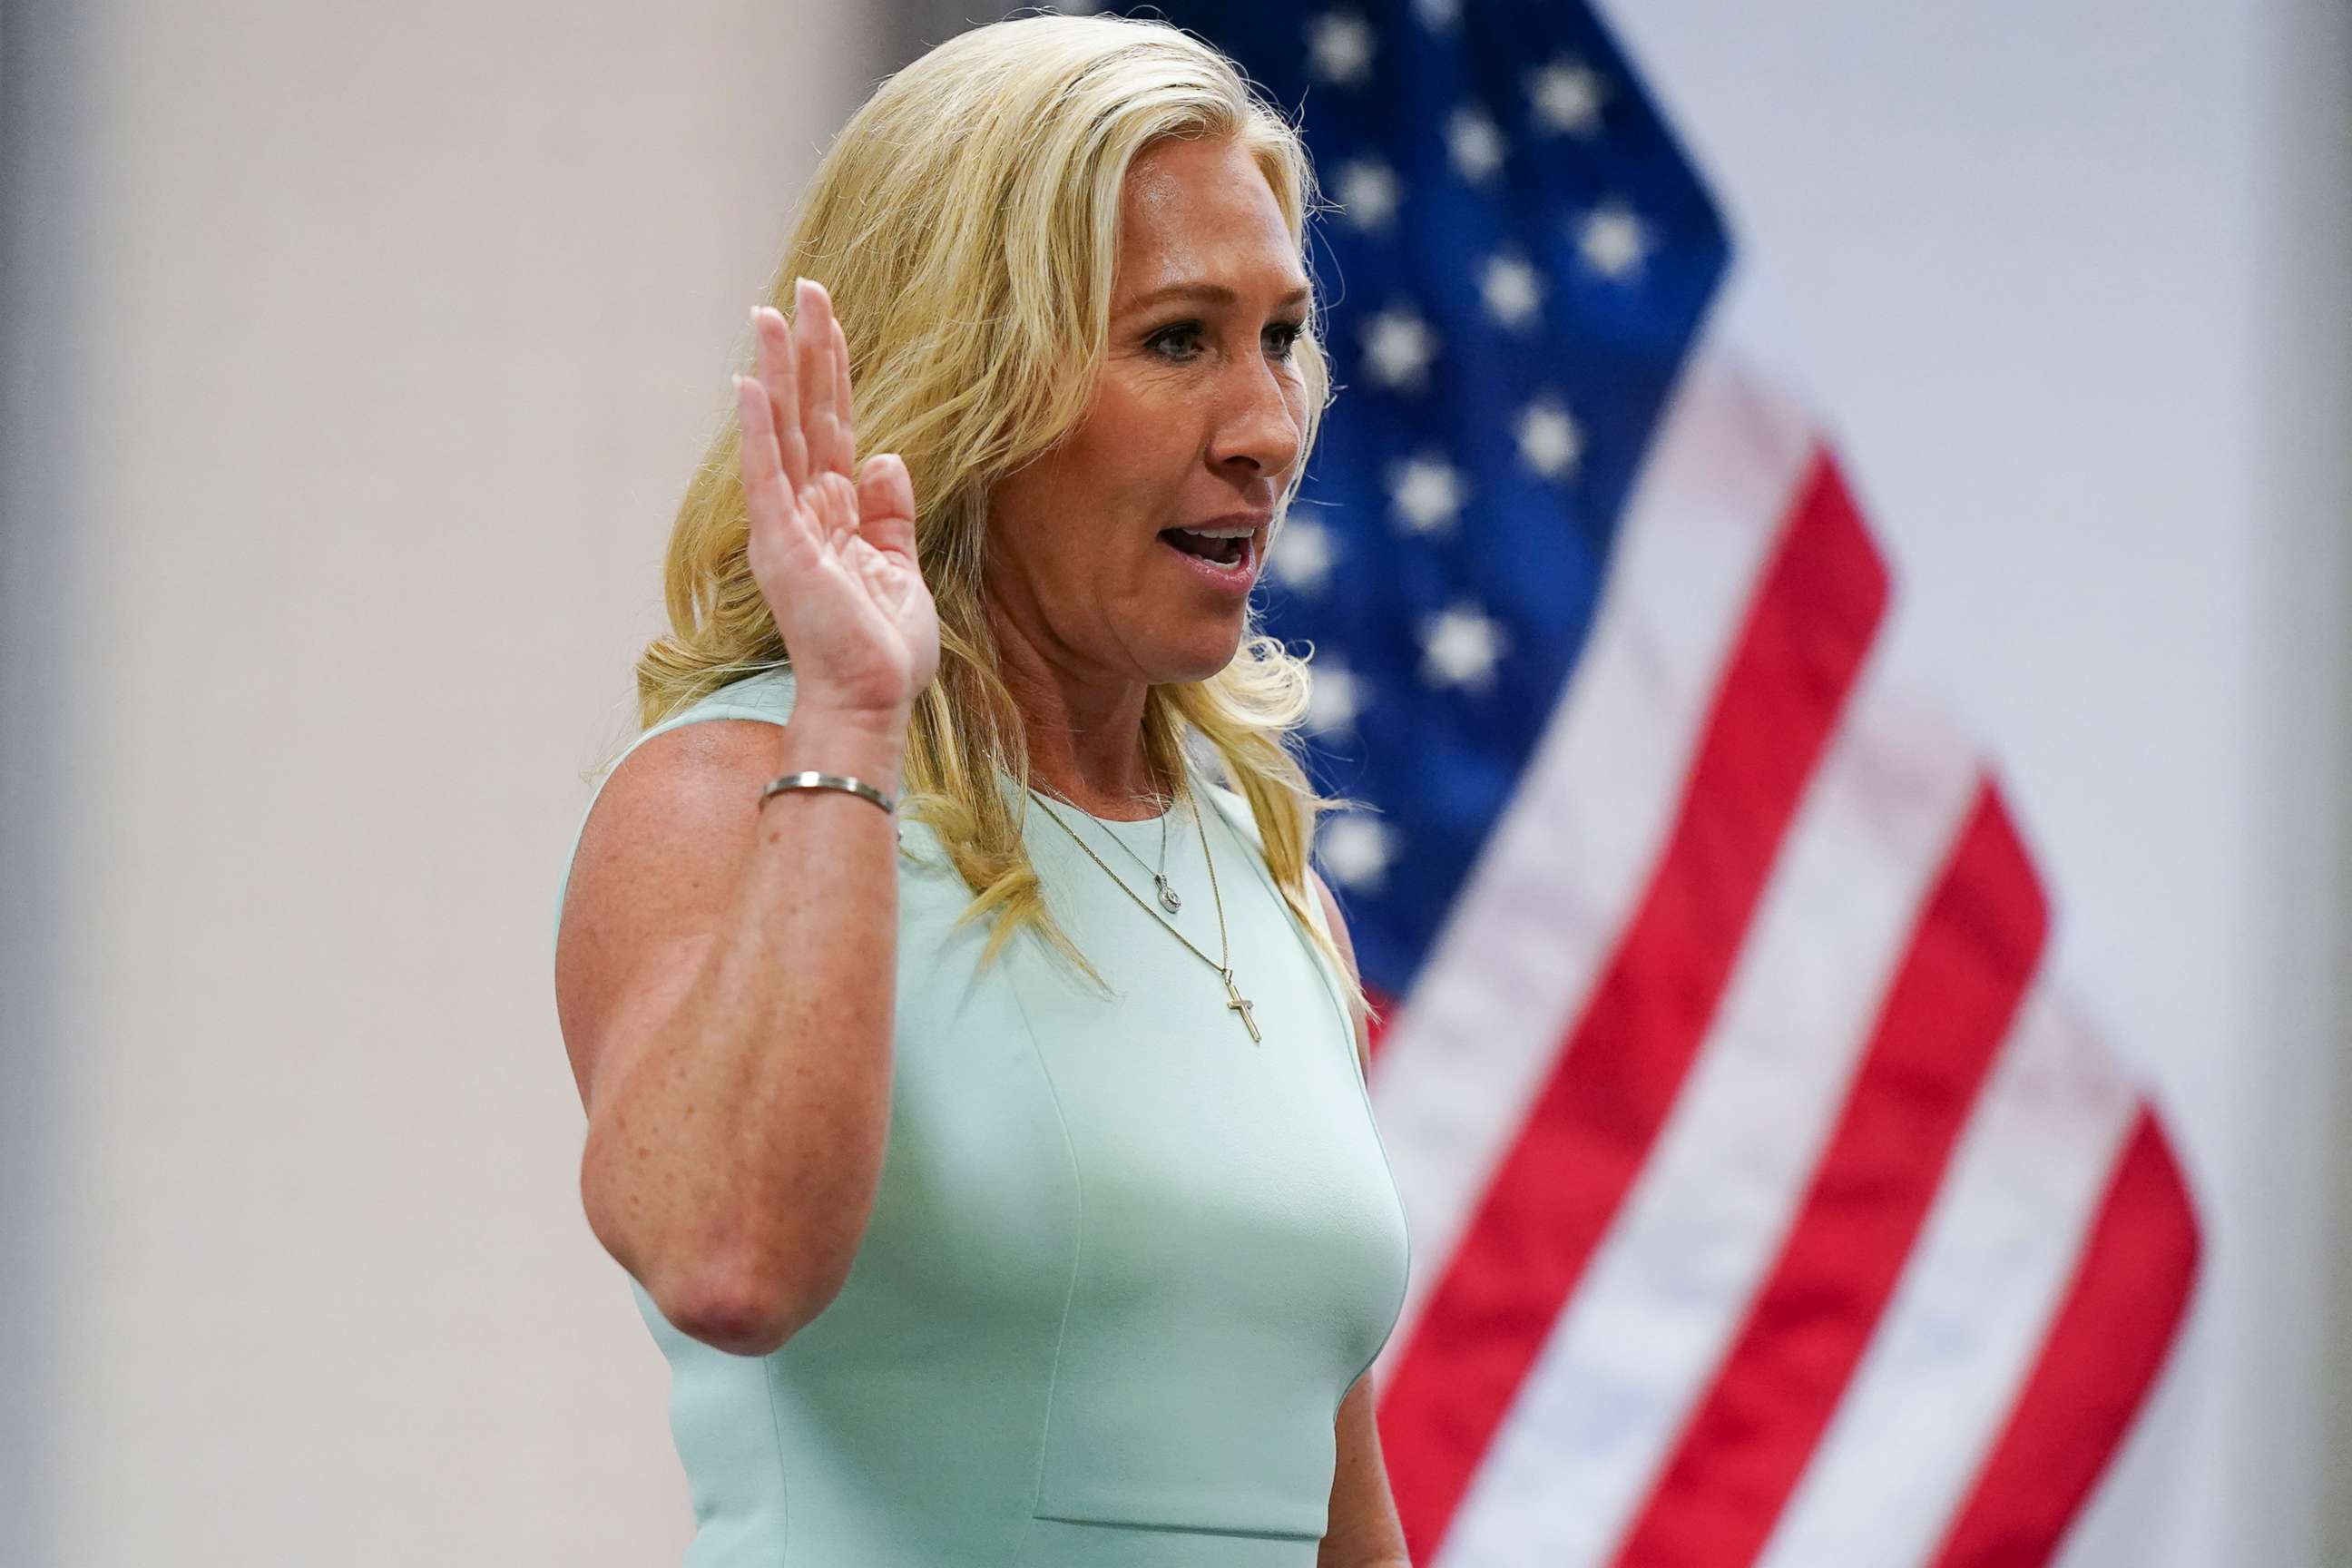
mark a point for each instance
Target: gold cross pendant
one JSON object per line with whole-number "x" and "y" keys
{"x": 1239, "y": 1003}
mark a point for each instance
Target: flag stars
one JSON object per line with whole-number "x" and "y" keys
{"x": 1303, "y": 555}
{"x": 1460, "y": 647}
{"x": 1549, "y": 440}
{"x": 1513, "y": 291}
{"x": 1340, "y": 49}
{"x": 1567, "y": 96}
{"x": 1612, "y": 241}
{"x": 1368, "y": 194}
{"x": 1474, "y": 142}
{"x": 1357, "y": 850}
{"x": 1427, "y": 493}
{"x": 1398, "y": 347}
{"x": 1437, "y": 16}
{"x": 1335, "y": 695}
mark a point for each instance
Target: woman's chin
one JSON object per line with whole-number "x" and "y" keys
{"x": 1199, "y": 656}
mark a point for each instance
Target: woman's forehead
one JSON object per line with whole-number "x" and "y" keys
{"x": 1199, "y": 214}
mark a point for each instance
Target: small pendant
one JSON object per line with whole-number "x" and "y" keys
{"x": 1168, "y": 899}
{"x": 1239, "y": 1003}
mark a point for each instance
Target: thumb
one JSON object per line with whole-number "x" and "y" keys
{"x": 886, "y": 504}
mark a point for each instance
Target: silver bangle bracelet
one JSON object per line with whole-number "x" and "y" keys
{"x": 858, "y": 788}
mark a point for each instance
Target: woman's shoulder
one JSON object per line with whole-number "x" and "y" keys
{"x": 763, "y": 694}
{"x": 1233, "y": 806}
{"x": 1221, "y": 796}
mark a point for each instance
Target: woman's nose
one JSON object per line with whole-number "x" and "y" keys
{"x": 1260, "y": 428}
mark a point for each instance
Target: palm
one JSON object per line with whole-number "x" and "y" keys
{"x": 833, "y": 554}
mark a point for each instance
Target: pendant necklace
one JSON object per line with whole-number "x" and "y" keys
{"x": 1168, "y": 899}
{"x": 1234, "y": 1000}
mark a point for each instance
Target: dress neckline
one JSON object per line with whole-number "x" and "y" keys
{"x": 1173, "y": 816}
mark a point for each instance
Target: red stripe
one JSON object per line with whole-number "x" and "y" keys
{"x": 2107, "y": 1344}
{"x": 1589, "y": 1126}
{"x": 1953, "y": 1001}
{"x": 1376, "y": 1030}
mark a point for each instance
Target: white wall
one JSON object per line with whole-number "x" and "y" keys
{"x": 2071, "y": 284}
{"x": 35, "y": 187}
{"x": 391, "y": 334}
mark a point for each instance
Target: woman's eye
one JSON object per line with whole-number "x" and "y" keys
{"x": 1183, "y": 341}
{"x": 1180, "y": 341}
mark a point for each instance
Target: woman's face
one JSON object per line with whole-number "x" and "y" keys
{"x": 1195, "y": 425}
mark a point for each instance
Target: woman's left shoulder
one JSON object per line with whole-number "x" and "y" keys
{"x": 1234, "y": 807}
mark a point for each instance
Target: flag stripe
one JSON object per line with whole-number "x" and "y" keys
{"x": 1669, "y": 1286}
{"x": 1952, "y": 1005}
{"x": 1376, "y": 1027}
{"x": 1976, "y": 1298}
{"x": 1563, "y": 872}
{"x": 1592, "y": 1122}
{"x": 2103, "y": 1356}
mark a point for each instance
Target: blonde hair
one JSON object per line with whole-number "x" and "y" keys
{"x": 965, "y": 221}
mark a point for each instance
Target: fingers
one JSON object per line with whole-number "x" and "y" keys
{"x": 797, "y": 439}
{"x": 831, "y": 502}
{"x": 774, "y": 512}
{"x": 772, "y": 340}
{"x": 763, "y": 465}
{"x": 822, "y": 361}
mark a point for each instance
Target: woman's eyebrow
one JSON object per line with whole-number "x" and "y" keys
{"x": 1208, "y": 294}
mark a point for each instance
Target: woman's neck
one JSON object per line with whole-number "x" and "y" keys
{"x": 1085, "y": 736}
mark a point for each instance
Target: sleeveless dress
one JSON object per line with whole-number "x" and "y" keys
{"x": 1124, "y": 1263}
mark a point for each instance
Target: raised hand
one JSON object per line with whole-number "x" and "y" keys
{"x": 833, "y": 555}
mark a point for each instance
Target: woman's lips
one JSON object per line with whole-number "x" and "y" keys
{"x": 1237, "y": 578}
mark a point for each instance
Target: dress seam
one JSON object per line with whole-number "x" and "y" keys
{"x": 784, "y": 1480}
{"x": 1069, "y": 1290}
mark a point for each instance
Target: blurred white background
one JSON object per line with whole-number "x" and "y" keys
{"x": 356, "y": 358}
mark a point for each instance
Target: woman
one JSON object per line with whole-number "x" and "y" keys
{"x": 995, "y": 1167}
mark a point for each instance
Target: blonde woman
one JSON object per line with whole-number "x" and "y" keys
{"x": 973, "y": 1077}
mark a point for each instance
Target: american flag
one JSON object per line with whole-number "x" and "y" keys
{"x": 1774, "y": 1196}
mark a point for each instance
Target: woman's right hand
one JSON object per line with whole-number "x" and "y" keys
{"x": 833, "y": 555}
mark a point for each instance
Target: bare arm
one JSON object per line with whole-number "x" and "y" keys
{"x": 725, "y": 970}
{"x": 1363, "y": 1531}
{"x": 724, "y": 981}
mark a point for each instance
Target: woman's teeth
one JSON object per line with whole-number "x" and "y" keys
{"x": 1221, "y": 545}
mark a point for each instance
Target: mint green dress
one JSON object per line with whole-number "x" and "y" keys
{"x": 1124, "y": 1263}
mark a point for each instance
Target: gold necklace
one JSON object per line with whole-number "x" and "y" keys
{"x": 1234, "y": 1000}
{"x": 1168, "y": 899}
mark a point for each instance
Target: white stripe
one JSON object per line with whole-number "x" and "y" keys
{"x": 1975, "y": 1300}
{"x": 1667, "y": 1291}
{"x": 1564, "y": 868}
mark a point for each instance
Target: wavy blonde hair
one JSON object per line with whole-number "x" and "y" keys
{"x": 966, "y": 223}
